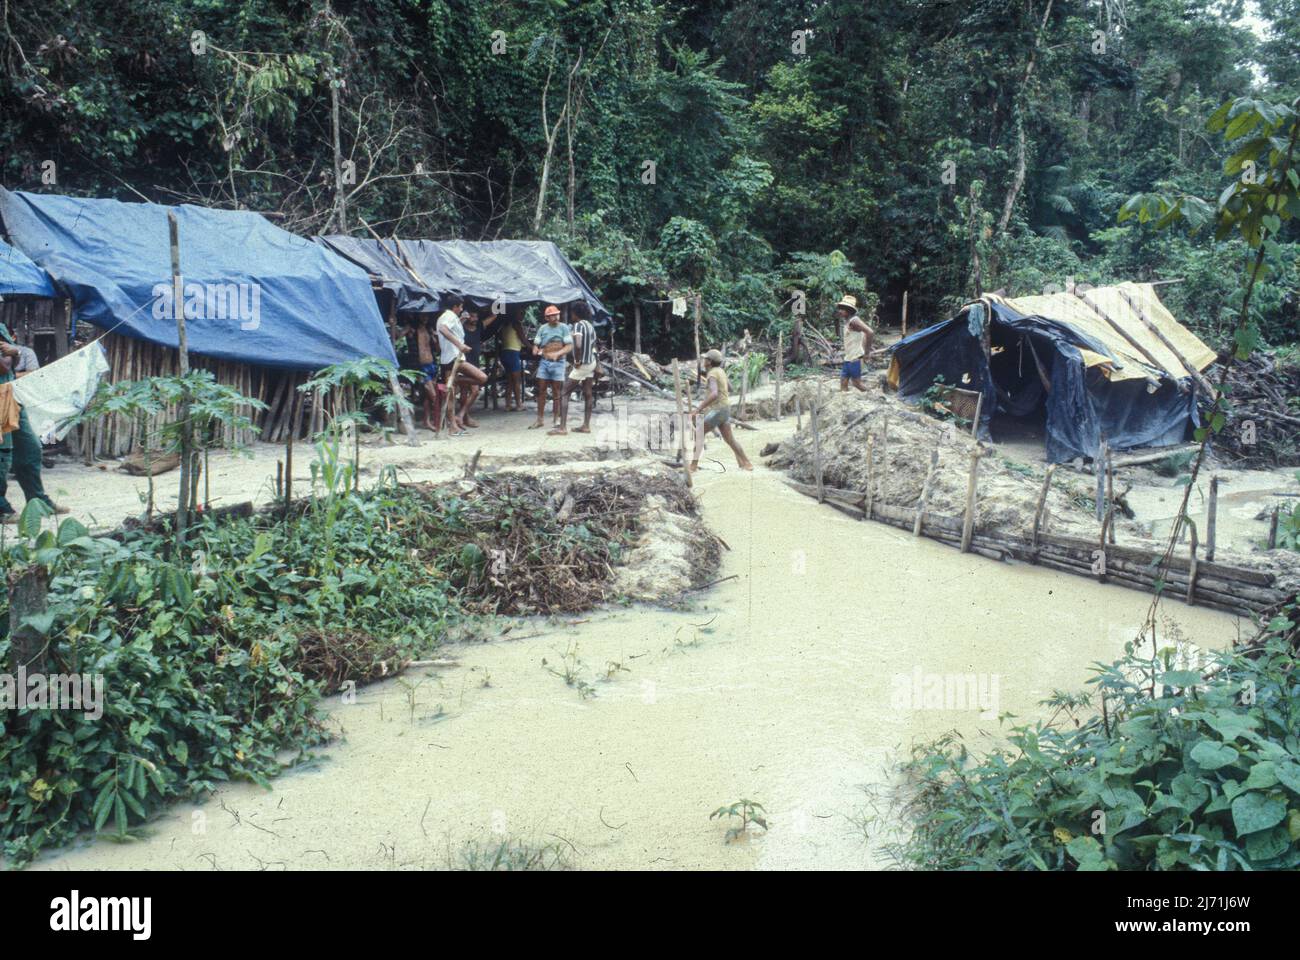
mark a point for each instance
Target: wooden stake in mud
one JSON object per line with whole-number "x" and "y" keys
{"x": 1038, "y": 513}
{"x": 682, "y": 421}
{"x": 1191, "y": 567}
{"x": 904, "y": 313}
{"x": 817, "y": 452}
{"x": 780, "y": 368}
{"x": 925, "y": 492}
{"x": 798, "y": 411}
{"x": 968, "y": 523}
{"x": 636, "y": 313}
{"x": 1099, "y": 466}
{"x": 867, "y": 495}
{"x": 1211, "y": 509}
{"x": 884, "y": 455}
{"x": 979, "y": 408}
{"x": 1272, "y": 530}
{"x": 1110, "y": 492}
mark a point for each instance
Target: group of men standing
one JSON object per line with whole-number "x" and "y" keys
{"x": 449, "y": 351}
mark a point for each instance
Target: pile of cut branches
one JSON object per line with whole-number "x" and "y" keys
{"x": 1266, "y": 425}
{"x": 519, "y": 544}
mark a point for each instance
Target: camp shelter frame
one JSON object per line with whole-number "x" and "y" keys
{"x": 312, "y": 309}
{"x": 1090, "y": 359}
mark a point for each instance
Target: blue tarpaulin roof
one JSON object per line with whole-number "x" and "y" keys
{"x": 419, "y": 272}
{"x": 20, "y": 277}
{"x": 253, "y": 292}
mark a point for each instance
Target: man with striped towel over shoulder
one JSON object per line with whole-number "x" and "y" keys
{"x": 584, "y": 364}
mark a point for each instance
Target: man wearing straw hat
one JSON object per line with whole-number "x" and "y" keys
{"x": 714, "y": 413}
{"x": 858, "y": 339}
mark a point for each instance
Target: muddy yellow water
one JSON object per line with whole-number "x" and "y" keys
{"x": 792, "y": 685}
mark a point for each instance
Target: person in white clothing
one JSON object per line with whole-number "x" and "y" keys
{"x": 451, "y": 342}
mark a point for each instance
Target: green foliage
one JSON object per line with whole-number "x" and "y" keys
{"x": 1184, "y": 769}
{"x": 748, "y": 812}
{"x": 212, "y": 664}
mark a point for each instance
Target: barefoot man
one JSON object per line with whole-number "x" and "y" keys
{"x": 858, "y": 338}
{"x": 584, "y": 365}
{"x": 553, "y": 343}
{"x": 451, "y": 340}
{"x": 715, "y": 412}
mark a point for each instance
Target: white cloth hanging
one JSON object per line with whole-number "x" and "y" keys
{"x": 60, "y": 390}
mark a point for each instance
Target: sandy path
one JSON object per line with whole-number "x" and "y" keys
{"x": 786, "y": 697}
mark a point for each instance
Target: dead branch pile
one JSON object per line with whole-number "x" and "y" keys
{"x": 1265, "y": 427}
{"x": 517, "y": 543}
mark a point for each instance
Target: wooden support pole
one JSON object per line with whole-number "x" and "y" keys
{"x": 925, "y": 492}
{"x": 1195, "y": 374}
{"x": 681, "y": 421}
{"x": 1272, "y": 529}
{"x": 1038, "y": 512}
{"x": 1110, "y": 489}
{"x": 780, "y": 369}
{"x": 868, "y": 494}
{"x": 288, "y": 443}
{"x": 183, "y": 359}
{"x": 695, "y": 378}
{"x": 1099, "y": 466}
{"x": 904, "y": 313}
{"x": 979, "y": 409}
{"x": 817, "y": 453}
{"x": 1191, "y": 567}
{"x": 636, "y": 314}
{"x": 968, "y": 522}
{"x": 1211, "y": 509}
{"x": 1118, "y": 328}
{"x": 798, "y": 411}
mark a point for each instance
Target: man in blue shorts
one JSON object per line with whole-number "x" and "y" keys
{"x": 858, "y": 338}
{"x": 553, "y": 343}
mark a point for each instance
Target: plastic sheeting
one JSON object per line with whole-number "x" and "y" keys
{"x": 1083, "y": 405}
{"x": 20, "y": 277}
{"x": 60, "y": 390}
{"x": 419, "y": 272}
{"x": 253, "y": 293}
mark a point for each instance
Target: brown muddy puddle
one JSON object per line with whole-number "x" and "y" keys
{"x": 783, "y": 686}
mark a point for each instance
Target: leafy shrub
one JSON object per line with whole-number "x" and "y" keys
{"x": 212, "y": 664}
{"x": 1183, "y": 769}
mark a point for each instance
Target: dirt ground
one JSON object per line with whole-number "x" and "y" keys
{"x": 789, "y": 684}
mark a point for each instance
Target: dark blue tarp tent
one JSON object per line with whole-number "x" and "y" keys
{"x": 1085, "y": 363}
{"x": 20, "y": 277}
{"x": 418, "y": 272}
{"x": 253, "y": 293}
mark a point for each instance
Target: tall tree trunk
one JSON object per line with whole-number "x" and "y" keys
{"x": 1018, "y": 179}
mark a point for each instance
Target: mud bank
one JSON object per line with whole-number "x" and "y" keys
{"x": 790, "y": 685}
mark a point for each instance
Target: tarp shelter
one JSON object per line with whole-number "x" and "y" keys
{"x": 19, "y": 277}
{"x": 253, "y": 293}
{"x": 1104, "y": 363}
{"x": 419, "y": 272}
